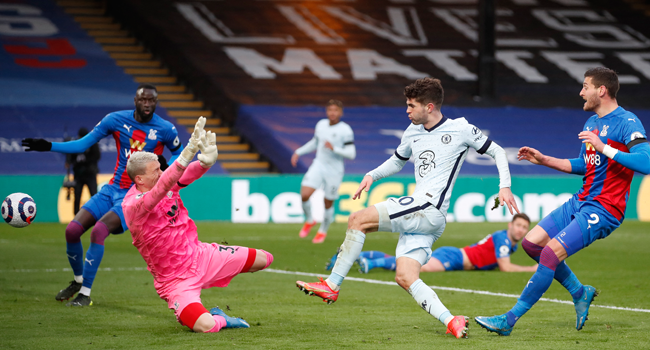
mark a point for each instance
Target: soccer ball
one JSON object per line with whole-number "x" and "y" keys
{"x": 18, "y": 209}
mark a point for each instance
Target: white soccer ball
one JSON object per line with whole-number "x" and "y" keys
{"x": 18, "y": 209}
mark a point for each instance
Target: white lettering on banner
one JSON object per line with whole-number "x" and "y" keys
{"x": 286, "y": 208}
{"x": 545, "y": 202}
{"x": 294, "y": 61}
{"x": 310, "y": 25}
{"x": 246, "y": 206}
{"x": 443, "y": 60}
{"x": 588, "y": 35}
{"x": 514, "y": 61}
{"x": 576, "y": 69}
{"x": 10, "y": 145}
{"x": 463, "y": 20}
{"x": 210, "y": 27}
{"x": 366, "y": 64}
{"x": 397, "y": 32}
{"x": 638, "y": 61}
{"x": 532, "y": 204}
{"x": 26, "y": 14}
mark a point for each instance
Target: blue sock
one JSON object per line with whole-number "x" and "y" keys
{"x": 385, "y": 263}
{"x": 537, "y": 285}
{"x": 568, "y": 279}
{"x": 75, "y": 253}
{"x": 372, "y": 254}
{"x": 94, "y": 257}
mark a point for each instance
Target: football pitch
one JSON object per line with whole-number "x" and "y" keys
{"x": 371, "y": 313}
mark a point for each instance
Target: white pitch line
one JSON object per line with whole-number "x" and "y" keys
{"x": 471, "y": 291}
{"x": 366, "y": 280}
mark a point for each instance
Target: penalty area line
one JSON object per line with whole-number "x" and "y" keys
{"x": 452, "y": 289}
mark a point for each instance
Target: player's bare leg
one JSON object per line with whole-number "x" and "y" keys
{"x": 328, "y": 218}
{"x": 108, "y": 223}
{"x": 434, "y": 265}
{"x": 359, "y": 223}
{"x": 407, "y": 275}
{"x": 74, "y": 249}
{"x": 305, "y": 193}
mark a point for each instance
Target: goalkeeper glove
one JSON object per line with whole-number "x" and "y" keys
{"x": 193, "y": 144}
{"x": 208, "y": 147}
{"x": 38, "y": 145}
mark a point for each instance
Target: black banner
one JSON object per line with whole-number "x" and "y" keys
{"x": 364, "y": 52}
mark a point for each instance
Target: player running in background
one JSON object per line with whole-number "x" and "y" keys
{"x": 614, "y": 146}
{"x": 133, "y": 130}
{"x": 439, "y": 146}
{"x": 167, "y": 238}
{"x": 489, "y": 253}
{"x": 333, "y": 140}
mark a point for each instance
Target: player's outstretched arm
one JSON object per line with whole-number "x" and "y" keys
{"x": 348, "y": 151}
{"x": 76, "y": 146}
{"x": 506, "y": 266}
{"x": 536, "y": 157}
{"x": 365, "y": 185}
{"x": 506, "y": 198}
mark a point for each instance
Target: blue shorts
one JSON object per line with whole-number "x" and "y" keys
{"x": 577, "y": 224}
{"x": 450, "y": 257}
{"x": 109, "y": 198}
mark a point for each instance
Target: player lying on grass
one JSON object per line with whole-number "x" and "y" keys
{"x": 489, "y": 253}
{"x": 439, "y": 146}
{"x": 614, "y": 146}
{"x": 133, "y": 130}
{"x": 167, "y": 238}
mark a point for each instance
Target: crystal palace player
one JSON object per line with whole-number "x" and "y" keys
{"x": 167, "y": 239}
{"x": 133, "y": 130}
{"x": 489, "y": 253}
{"x": 614, "y": 146}
{"x": 439, "y": 146}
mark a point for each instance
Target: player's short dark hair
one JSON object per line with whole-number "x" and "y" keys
{"x": 336, "y": 103}
{"x": 520, "y": 216}
{"x": 146, "y": 86}
{"x": 601, "y": 76}
{"x": 425, "y": 91}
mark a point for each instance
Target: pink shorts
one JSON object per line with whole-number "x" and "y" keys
{"x": 217, "y": 265}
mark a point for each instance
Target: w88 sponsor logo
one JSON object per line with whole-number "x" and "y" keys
{"x": 591, "y": 159}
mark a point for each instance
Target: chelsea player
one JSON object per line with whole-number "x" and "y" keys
{"x": 614, "y": 146}
{"x": 133, "y": 130}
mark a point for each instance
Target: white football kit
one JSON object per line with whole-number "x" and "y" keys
{"x": 328, "y": 168}
{"x": 438, "y": 153}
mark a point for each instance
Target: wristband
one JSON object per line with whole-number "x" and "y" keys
{"x": 609, "y": 151}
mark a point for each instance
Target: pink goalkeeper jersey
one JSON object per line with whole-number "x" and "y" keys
{"x": 160, "y": 226}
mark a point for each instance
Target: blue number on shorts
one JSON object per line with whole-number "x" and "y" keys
{"x": 408, "y": 200}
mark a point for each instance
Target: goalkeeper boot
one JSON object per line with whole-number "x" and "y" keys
{"x": 304, "y": 232}
{"x": 319, "y": 238}
{"x": 458, "y": 326}
{"x": 319, "y": 289}
{"x": 330, "y": 264}
{"x": 80, "y": 300}
{"x": 68, "y": 292}
{"x": 231, "y": 322}
{"x": 582, "y": 305}
{"x": 496, "y": 324}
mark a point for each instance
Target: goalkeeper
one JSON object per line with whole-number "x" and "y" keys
{"x": 167, "y": 238}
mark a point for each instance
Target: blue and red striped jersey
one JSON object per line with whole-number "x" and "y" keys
{"x": 131, "y": 136}
{"x": 606, "y": 181}
{"x": 484, "y": 254}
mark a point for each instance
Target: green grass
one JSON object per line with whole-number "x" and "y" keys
{"x": 128, "y": 314}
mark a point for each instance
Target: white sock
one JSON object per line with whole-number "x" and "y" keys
{"x": 85, "y": 291}
{"x": 79, "y": 279}
{"x": 328, "y": 218}
{"x": 349, "y": 252}
{"x": 429, "y": 302}
{"x": 306, "y": 208}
